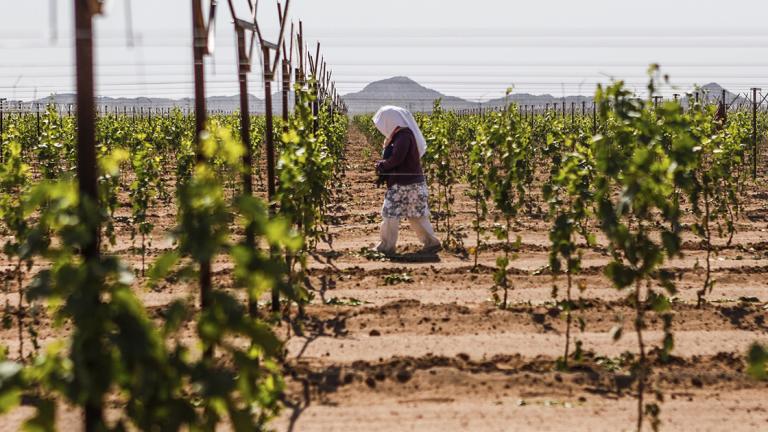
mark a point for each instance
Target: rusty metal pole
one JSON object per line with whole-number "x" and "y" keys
{"x": 37, "y": 116}
{"x": 286, "y": 90}
{"x": 245, "y": 135}
{"x": 300, "y": 84}
{"x": 87, "y": 177}
{"x": 2, "y": 132}
{"x": 533, "y": 115}
{"x": 270, "y": 141}
{"x": 199, "y": 42}
{"x": 86, "y": 116}
{"x": 594, "y": 118}
{"x": 755, "y": 154}
{"x": 245, "y": 127}
{"x": 725, "y": 108}
{"x": 199, "y": 37}
{"x": 299, "y": 72}
{"x": 315, "y": 106}
{"x": 269, "y": 137}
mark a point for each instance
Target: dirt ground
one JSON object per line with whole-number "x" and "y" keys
{"x": 431, "y": 352}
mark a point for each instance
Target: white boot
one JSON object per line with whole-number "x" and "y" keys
{"x": 426, "y": 234}
{"x": 389, "y": 232}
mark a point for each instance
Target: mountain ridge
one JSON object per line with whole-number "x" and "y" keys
{"x": 399, "y": 90}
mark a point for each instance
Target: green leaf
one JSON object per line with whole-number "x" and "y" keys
{"x": 622, "y": 276}
{"x": 163, "y": 266}
{"x": 44, "y": 418}
{"x": 660, "y": 303}
{"x": 9, "y": 399}
{"x": 757, "y": 361}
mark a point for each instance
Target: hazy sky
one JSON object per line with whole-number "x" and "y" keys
{"x": 472, "y": 49}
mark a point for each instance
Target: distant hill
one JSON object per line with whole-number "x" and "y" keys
{"x": 714, "y": 91}
{"x": 401, "y": 91}
{"x": 215, "y": 103}
{"x": 537, "y": 100}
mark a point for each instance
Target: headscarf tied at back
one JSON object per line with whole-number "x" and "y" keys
{"x": 388, "y": 118}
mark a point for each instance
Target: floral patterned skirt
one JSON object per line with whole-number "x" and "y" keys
{"x": 410, "y": 201}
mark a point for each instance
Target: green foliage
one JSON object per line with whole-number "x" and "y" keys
{"x": 480, "y": 157}
{"x": 114, "y": 347}
{"x": 16, "y": 222}
{"x": 310, "y": 162}
{"x": 439, "y": 130}
{"x": 630, "y": 172}
{"x": 397, "y": 278}
{"x": 509, "y": 175}
{"x": 646, "y": 155}
{"x": 570, "y": 197}
{"x": 145, "y": 163}
{"x": 719, "y": 174}
{"x": 757, "y": 361}
{"x": 633, "y": 182}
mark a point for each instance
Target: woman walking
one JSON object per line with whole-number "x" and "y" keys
{"x": 407, "y": 194}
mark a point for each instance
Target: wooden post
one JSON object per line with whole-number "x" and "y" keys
{"x": 755, "y": 154}
{"x": 87, "y": 177}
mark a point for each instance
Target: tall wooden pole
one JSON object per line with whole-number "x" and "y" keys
{"x": 270, "y": 141}
{"x": 754, "y": 132}
{"x": 199, "y": 41}
{"x": 87, "y": 178}
{"x": 199, "y": 38}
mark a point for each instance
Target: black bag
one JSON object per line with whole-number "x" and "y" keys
{"x": 385, "y": 154}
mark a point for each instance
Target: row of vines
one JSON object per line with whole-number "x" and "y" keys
{"x": 638, "y": 174}
{"x": 198, "y": 367}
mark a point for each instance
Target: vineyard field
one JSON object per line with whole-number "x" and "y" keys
{"x": 534, "y": 217}
{"x": 420, "y": 341}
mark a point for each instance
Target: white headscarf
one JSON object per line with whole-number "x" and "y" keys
{"x": 388, "y": 118}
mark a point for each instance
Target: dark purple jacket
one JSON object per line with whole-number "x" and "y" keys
{"x": 403, "y": 167}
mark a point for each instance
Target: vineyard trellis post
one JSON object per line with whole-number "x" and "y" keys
{"x": 2, "y": 130}
{"x": 299, "y": 72}
{"x": 314, "y": 70}
{"x": 286, "y": 75}
{"x": 533, "y": 115}
{"x": 724, "y": 107}
{"x": 755, "y": 154}
{"x": 37, "y": 121}
{"x": 287, "y": 59}
{"x": 202, "y": 44}
{"x": 244, "y": 56}
{"x": 86, "y": 161}
{"x": 269, "y": 70}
